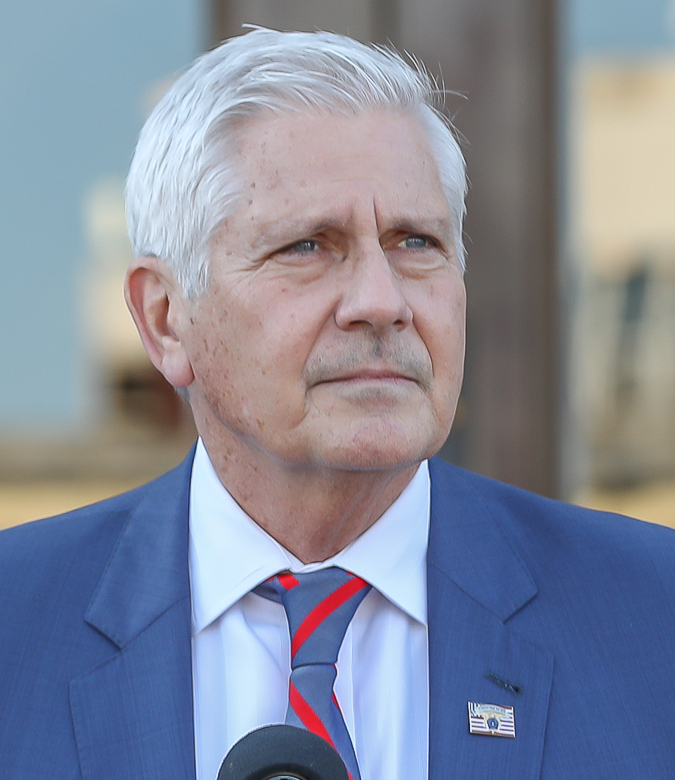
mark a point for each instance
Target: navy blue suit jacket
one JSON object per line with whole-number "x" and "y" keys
{"x": 565, "y": 614}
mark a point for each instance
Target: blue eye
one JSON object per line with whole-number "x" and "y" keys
{"x": 415, "y": 242}
{"x": 306, "y": 246}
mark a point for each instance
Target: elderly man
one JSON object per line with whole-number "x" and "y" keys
{"x": 295, "y": 204}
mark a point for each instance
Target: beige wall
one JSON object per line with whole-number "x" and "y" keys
{"x": 623, "y": 176}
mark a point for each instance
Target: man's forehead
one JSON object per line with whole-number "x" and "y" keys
{"x": 263, "y": 137}
{"x": 370, "y": 151}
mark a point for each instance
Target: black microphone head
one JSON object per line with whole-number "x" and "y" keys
{"x": 282, "y": 752}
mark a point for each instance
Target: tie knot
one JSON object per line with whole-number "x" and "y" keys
{"x": 319, "y": 607}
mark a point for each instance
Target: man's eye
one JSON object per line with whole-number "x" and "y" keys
{"x": 304, "y": 247}
{"x": 416, "y": 242}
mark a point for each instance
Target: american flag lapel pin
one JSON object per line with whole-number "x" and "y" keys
{"x": 491, "y": 720}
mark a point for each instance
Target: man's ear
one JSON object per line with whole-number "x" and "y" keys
{"x": 157, "y": 305}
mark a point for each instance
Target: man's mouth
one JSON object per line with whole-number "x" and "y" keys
{"x": 368, "y": 364}
{"x": 368, "y": 375}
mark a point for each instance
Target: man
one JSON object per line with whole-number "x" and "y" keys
{"x": 295, "y": 204}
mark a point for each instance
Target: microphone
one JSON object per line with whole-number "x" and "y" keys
{"x": 282, "y": 752}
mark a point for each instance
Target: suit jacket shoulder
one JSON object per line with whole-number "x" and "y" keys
{"x": 565, "y": 549}
{"x": 95, "y": 671}
{"x": 566, "y": 614}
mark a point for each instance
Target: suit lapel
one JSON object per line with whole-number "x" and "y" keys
{"x": 476, "y": 582}
{"x": 133, "y": 713}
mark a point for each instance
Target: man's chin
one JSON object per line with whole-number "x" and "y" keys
{"x": 377, "y": 446}
{"x": 369, "y": 397}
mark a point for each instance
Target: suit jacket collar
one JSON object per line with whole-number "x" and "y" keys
{"x": 468, "y": 544}
{"x": 147, "y": 572}
{"x": 132, "y": 714}
{"x": 476, "y": 581}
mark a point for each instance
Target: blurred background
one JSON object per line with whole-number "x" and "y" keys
{"x": 567, "y": 114}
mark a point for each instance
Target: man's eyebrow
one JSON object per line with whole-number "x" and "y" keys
{"x": 422, "y": 223}
{"x": 294, "y": 229}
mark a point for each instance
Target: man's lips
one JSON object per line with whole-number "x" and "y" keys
{"x": 368, "y": 375}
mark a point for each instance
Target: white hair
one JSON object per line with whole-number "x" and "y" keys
{"x": 184, "y": 179}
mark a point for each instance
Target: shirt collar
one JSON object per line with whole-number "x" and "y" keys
{"x": 230, "y": 554}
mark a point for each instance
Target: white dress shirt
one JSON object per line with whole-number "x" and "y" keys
{"x": 241, "y": 645}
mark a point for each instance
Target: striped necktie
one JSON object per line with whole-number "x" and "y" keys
{"x": 319, "y": 607}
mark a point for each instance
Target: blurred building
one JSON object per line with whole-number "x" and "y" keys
{"x": 620, "y": 241}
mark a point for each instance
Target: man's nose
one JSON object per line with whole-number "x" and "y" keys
{"x": 372, "y": 293}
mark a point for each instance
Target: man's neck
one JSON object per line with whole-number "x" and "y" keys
{"x": 313, "y": 513}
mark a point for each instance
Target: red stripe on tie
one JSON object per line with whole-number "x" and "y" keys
{"x": 310, "y": 720}
{"x": 323, "y": 609}
{"x": 287, "y": 580}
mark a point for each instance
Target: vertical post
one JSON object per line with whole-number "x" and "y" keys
{"x": 501, "y": 56}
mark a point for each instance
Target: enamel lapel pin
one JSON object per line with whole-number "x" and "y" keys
{"x": 491, "y": 720}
